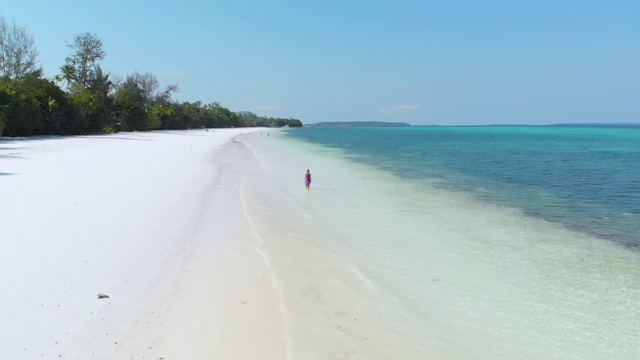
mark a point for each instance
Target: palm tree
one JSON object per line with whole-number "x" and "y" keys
{"x": 68, "y": 74}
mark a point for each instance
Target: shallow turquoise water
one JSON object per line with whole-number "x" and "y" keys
{"x": 425, "y": 246}
{"x": 586, "y": 178}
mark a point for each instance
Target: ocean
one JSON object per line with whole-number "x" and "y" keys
{"x": 584, "y": 178}
{"x": 489, "y": 242}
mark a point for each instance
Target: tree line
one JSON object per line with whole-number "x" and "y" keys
{"x": 85, "y": 99}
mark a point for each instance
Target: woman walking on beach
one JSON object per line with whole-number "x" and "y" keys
{"x": 307, "y": 179}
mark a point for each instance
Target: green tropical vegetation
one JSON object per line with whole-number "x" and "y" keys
{"x": 86, "y": 99}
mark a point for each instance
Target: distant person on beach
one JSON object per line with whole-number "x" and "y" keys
{"x": 307, "y": 179}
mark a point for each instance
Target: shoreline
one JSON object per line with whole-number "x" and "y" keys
{"x": 383, "y": 267}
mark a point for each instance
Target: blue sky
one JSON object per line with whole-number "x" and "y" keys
{"x": 422, "y": 62}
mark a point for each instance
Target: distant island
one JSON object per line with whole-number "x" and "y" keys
{"x": 357, "y": 124}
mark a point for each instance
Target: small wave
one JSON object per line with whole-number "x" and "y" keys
{"x": 362, "y": 277}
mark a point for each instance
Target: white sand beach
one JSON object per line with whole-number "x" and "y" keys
{"x": 208, "y": 246}
{"x": 152, "y": 220}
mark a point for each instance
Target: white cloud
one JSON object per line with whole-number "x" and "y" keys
{"x": 401, "y": 108}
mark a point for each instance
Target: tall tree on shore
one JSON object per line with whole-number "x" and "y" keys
{"x": 3, "y": 119}
{"x": 82, "y": 66}
{"x": 165, "y": 95}
{"x": 100, "y": 84}
{"x": 90, "y": 87}
{"x": 18, "y": 55}
{"x": 95, "y": 103}
{"x": 129, "y": 106}
{"x": 67, "y": 75}
{"x": 148, "y": 83}
{"x": 248, "y": 118}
